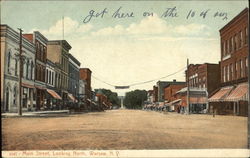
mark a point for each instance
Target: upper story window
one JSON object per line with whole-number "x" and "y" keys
{"x": 8, "y": 62}
{"x": 16, "y": 67}
{"x": 235, "y": 42}
{"x": 27, "y": 69}
{"x": 246, "y": 35}
{"x": 241, "y": 68}
{"x": 246, "y": 70}
{"x": 31, "y": 70}
{"x": 240, "y": 39}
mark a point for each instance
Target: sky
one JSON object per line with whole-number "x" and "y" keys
{"x": 136, "y": 47}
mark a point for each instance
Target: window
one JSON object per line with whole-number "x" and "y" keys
{"x": 246, "y": 35}
{"x": 38, "y": 50}
{"x": 50, "y": 77}
{"x": 41, "y": 51}
{"x": 224, "y": 74}
{"x": 228, "y": 72}
{"x": 241, "y": 39}
{"x": 241, "y": 68}
{"x": 228, "y": 43}
{"x": 246, "y": 69}
{"x": 27, "y": 69}
{"x": 14, "y": 95}
{"x": 31, "y": 70}
{"x": 8, "y": 62}
{"x": 224, "y": 48}
{"x": 232, "y": 43}
{"x": 15, "y": 67}
{"x": 235, "y": 42}
{"x": 231, "y": 72}
{"x": 47, "y": 76}
{"x": 236, "y": 71}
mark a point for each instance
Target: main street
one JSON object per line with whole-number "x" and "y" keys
{"x": 124, "y": 129}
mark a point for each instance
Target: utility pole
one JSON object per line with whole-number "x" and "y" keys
{"x": 20, "y": 107}
{"x": 187, "y": 87}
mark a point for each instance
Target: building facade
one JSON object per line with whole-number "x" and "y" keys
{"x": 58, "y": 52}
{"x": 85, "y": 74}
{"x": 171, "y": 89}
{"x": 205, "y": 76}
{"x": 40, "y": 43}
{"x": 10, "y": 94}
{"x": 232, "y": 97}
{"x": 74, "y": 66}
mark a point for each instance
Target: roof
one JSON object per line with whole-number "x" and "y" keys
{"x": 74, "y": 59}
{"x": 65, "y": 44}
{"x": 235, "y": 18}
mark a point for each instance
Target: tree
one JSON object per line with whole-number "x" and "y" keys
{"x": 112, "y": 96}
{"x": 135, "y": 99}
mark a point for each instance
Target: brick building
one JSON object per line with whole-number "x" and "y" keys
{"x": 232, "y": 97}
{"x": 171, "y": 89}
{"x": 40, "y": 66}
{"x": 85, "y": 74}
{"x": 204, "y": 76}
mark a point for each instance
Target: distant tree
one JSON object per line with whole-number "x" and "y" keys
{"x": 112, "y": 96}
{"x": 134, "y": 99}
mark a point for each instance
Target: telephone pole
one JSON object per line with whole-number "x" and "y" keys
{"x": 187, "y": 87}
{"x": 20, "y": 107}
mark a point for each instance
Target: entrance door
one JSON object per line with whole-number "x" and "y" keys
{"x": 7, "y": 100}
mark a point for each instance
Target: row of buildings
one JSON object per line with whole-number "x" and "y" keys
{"x": 220, "y": 88}
{"x": 52, "y": 78}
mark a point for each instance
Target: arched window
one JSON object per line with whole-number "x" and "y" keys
{"x": 27, "y": 69}
{"x": 15, "y": 67}
{"x": 14, "y": 95}
{"x": 8, "y": 62}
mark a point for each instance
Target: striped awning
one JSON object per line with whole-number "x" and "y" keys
{"x": 221, "y": 94}
{"x": 240, "y": 93}
{"x": 53, "y": 94}
{"x": 27, "y": 85}
{"x": 175, "y": 101}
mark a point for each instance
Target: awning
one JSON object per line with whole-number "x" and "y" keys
{"x": 240, "y": 93}
{"x": 41, "y": 88}
{"x": 198, "y": 100}
{"x": 221, "y": 94}
{"x": 53, "y": 94}
{"x": 71, "y": 97}
{"x": 28, "y": 85}
{"x": 175, "y": 101}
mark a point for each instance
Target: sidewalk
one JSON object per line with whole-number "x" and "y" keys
{"x": 35, "y": 113}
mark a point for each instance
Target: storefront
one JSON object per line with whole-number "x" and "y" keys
{"x": 53, "y": 100}
{"x": 230, "y": 100}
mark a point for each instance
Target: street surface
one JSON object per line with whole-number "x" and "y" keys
{"x": 124, "y": 129}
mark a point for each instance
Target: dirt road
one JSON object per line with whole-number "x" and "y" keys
{"x": 124, "y": 129}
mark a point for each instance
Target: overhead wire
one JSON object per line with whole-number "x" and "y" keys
{"x": 140, "y": 83}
